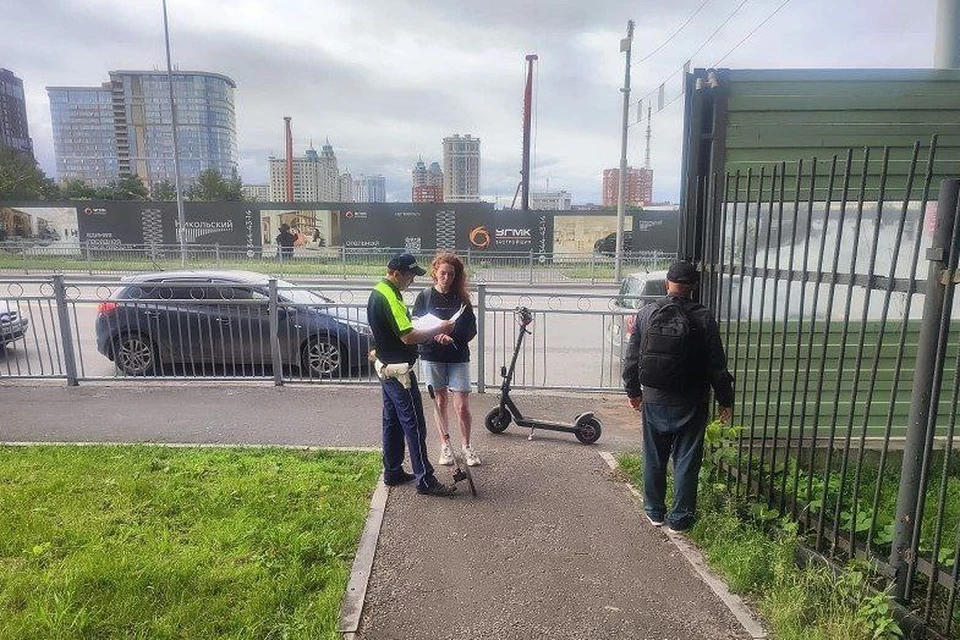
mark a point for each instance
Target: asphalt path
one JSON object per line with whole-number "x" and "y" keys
{"x": 252, "y": 413}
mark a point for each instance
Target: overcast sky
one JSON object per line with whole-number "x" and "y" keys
{"x": 386, "y": 80}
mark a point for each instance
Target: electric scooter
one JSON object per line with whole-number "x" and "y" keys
{"x": 461, "y": 471}
{"x": 585, "y": 426}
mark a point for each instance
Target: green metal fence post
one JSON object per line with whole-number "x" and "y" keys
{"x": 903, "y": 552}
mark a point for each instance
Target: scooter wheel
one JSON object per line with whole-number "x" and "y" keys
{"x": 588, "y": 430}
{"x": 497, "y": 421}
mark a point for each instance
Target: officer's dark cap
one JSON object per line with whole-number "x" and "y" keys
{"x": 406, "y": 263}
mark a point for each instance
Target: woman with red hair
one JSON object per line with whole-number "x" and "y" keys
{"x": 446, "y": 359}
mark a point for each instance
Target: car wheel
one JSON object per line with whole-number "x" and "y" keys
{"x": 323, "y": 357}
{"x": 135, "y": 354}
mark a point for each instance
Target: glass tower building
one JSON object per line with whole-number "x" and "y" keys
{"x": 14, "y": 132}
{"x": 124, "y": 127}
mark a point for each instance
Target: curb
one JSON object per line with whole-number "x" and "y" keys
{"x": 733, "y": 602}
{"x": 352, "y": 604}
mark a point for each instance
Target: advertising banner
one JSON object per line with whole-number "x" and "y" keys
{"x": 657, "y": 229}
{"x": 51, "y": 229}
{"x": 229, "y": 224}
{"x": 114, "y": 224}
{"x": 500, "y": 231}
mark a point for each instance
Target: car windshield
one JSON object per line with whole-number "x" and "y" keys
{"x": 292, "y": 293}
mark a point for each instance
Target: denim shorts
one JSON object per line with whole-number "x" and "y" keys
{"x": 447, "y": 375}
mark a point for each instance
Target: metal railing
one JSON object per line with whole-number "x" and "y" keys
{"x": 342, "y": 263}
{"x": 846, "y": 360}
{"x": 81, "y": 330}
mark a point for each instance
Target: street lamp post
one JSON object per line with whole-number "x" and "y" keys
{"x": 626, "y": 45}
{"x": 181, "y": 222}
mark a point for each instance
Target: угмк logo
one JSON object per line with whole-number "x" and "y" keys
{"x": 480, "y": 237}
{"x": 90, "y": 211}
{"x": 356, "y": 215}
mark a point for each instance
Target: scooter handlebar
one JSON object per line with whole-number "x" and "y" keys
{"x": 523, "y": 316}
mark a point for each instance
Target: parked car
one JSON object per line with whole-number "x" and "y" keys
{"x": 636, "y": 290}
{"x": 223, "y": 318}
{"x": 607, "y": 245}
{"x": 13, "y": 325}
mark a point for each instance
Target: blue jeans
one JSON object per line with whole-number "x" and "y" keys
{"x": 678, "y": 431}
{"x": 403, "y": 421}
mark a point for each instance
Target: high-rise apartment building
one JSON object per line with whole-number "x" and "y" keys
{"x": 370, "y": 189}
{"x": 549, "y": 201}
{"x": 461, "y": 169}
{"x": 639, "y": 187}
{"x": 315, "y": 177}
{"x": 14, "y": 132}
{"x": 346, "y": 187}
{"x": 427, "y": 183}
{"x": 256, "y": 192}
{"x": 124, "y": 127}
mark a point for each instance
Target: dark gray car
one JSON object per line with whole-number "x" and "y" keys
{"x": 200, "y": 319}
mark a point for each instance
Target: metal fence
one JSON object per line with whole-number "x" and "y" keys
{"x": 840, "y": 320}
{"x": 38, "y": 257}
{"x": 269, "y": 329}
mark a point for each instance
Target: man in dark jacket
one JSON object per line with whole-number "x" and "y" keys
{"x": 396, "y": 341}
{"x": 674, "y": 357}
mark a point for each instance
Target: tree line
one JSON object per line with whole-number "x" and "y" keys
{"x": 22, "y": 179}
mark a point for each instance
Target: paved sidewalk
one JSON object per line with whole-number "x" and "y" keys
{"x": 553, "y": 547}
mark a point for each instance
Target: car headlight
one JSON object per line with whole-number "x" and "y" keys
{"x": 360, "y": 327}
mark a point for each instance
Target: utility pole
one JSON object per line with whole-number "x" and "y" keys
{"x": 181, "y": 221}
{"x": 947, "y": 52}
{"x": 626, "y": 45}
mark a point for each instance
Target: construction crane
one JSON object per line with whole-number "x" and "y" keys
{"x": 524, "y": 186}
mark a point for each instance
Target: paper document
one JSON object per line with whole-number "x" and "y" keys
{"x": 429, "y": 321}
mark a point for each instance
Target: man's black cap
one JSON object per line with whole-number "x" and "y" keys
{"x": 405, "y": 262}
{"x": 683, "y": 272}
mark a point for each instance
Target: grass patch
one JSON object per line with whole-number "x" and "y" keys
{"x": 155, "y": 542}
{"x": 757, "y": 558}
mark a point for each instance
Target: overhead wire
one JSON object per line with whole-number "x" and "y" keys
{"x": 754, "y": 30}
{"x": 672, "y": 35}
{"x": 763, "y": 22}
{"x": 699, "y": 49}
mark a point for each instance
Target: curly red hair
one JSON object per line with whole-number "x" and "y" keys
{"x": 459, "y": 285}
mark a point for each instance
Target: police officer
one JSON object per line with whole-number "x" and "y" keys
{"x": 395, "y": 341}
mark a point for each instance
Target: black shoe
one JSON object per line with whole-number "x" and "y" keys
{"x": 438, "y": 489}
{"x": 680, "y": 527}
{"x": 402, "y": 478}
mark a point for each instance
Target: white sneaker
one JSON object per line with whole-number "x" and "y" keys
{"x": 446, "y": 456}
{"x": 470, "y": 456}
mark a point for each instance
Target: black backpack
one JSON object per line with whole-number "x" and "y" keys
{"x": 668, "y": 351}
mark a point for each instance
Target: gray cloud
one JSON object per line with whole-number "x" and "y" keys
{"x": 385, "y": 81}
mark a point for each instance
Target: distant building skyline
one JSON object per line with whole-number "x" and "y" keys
{"x": 639, "y": 187}
{"x": 346, "y": 187}
{"x": 315, "y": 176}
{"x": 461, "y": 168}
{"x": 256, "y": 192}
{"x": 427, "y": 184}
{"x": 14, "y": 129}
{"x": 372, "y": 188}
{"x": 549, "y": 201}
{"x": 123, "y": 127}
